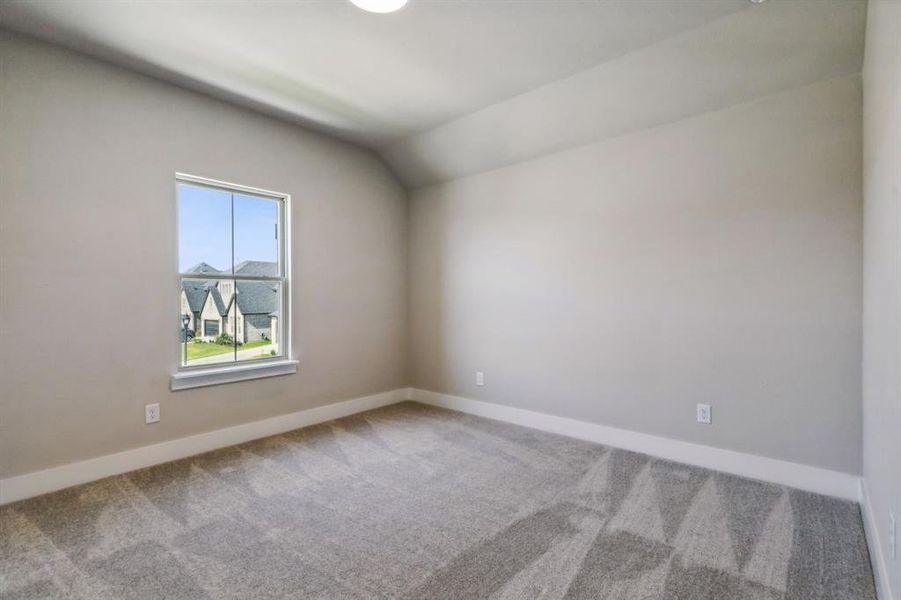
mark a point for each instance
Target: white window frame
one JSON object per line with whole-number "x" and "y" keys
{"x": 186, "y": 377}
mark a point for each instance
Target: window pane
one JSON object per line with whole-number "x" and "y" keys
{"x": 256, "y": 235}
{"x": 258, "y": 308}
{"x": 206, "y": 336}
{"x": 211, "y": 328}
{"x": 204, "y": 229}
{"x": 231, "y": 233}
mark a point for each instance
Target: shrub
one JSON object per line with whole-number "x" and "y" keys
{"x": 272, "y": 353}
{"x": 225, "y": 339}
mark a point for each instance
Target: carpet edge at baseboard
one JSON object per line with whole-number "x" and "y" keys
{"x": 36, "y": 483}
{"x": 805, "y": 477}
{"x": 796, "y": 475}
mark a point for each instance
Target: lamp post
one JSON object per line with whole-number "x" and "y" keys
{"x": 185, "y": 319}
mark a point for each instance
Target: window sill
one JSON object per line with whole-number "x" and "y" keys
{"x": 186, "y": 380}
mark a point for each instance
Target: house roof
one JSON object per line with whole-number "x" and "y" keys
{"x": 195, "y": 292}
{"x": 253, "y": 297}
{"x": 245, "y": 267}
{"x": 221, "y": 306}
{"x": 258, "y": 297}
{"x": 257, "y": 267}
{"x": 203, "y": 267}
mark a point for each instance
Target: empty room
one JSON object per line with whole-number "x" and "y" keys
{"x": 450, "y": 299}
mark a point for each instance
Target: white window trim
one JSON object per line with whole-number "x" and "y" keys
{"x": 185, "y": 380}
{"x": 191, "y": 377}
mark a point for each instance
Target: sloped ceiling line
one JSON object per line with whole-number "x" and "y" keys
{"x": 442, "y": 90}
{"x": 730, "y": 61}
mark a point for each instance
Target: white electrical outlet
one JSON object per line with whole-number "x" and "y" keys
{"x": 152, "y": 413}
{"x": 480, "y": 378}
{"x": 892, "y": 540}
{"x": 704, "y": 414}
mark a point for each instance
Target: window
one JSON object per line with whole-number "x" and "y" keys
{"x": 232, "y": 263}
{"x": 211, "y": 328}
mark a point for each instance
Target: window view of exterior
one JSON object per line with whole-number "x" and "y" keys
{"x": 230, "y": 309}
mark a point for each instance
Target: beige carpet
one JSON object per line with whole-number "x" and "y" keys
{"x": 416, "y": 502}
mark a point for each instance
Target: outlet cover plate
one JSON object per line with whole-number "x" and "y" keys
{"x": 704, "y": 414}
{"x": 152, "y": 413}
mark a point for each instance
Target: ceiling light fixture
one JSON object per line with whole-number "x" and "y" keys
{"x": 380, "y": 6}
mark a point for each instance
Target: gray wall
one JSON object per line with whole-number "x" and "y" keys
{"x": 727, "y": 272}
{"x": 716, "y": 259}
{"x": 882, "y": 271}
{"x": 88, "y": 155}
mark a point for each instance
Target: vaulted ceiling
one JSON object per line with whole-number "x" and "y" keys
{"x": 442, "y": 88}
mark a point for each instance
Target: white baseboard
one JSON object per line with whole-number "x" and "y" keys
{"x": 877, "y": 557}
{"x": 57, "y": 478}
{"x": 805, "y": 477}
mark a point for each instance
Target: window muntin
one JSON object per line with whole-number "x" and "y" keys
{"x": 232, "y": 274}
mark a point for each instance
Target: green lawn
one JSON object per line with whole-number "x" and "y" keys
{"x": 201, "y": 350}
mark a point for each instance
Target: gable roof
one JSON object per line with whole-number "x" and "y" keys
{"x": 253, "y": 297}
{"x": 196, "y": 292}
{"x": 257, "y": 297}
{"x": 257, "y": 267}
{"x": 221, "y": 306}
{"x": 203, "y": 267}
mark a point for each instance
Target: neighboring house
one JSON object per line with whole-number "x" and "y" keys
{"x": 213, "y": 308}
{"x": 194, "y": 295}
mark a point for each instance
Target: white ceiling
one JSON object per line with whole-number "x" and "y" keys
{"x": 776, "y": 46}
{"x": 444, "y": 88}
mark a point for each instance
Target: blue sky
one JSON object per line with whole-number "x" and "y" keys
{"x": 204, "y": 227}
